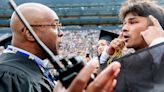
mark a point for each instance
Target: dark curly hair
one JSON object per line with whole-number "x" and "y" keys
{"x": 142, "y": 8}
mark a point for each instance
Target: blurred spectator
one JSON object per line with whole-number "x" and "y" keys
{"x": 78, "y": 42}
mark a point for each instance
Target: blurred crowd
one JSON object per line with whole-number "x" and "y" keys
{"x": 80, "y": 42}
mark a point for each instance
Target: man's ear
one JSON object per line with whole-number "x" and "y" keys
{"x": 28, "y": 35}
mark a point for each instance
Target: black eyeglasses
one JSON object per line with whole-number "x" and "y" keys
{"x": 57, "y": 25}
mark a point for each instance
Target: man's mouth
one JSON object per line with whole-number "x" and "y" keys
{"x": 126, "y": 37}
{"x": 60, "y": 45}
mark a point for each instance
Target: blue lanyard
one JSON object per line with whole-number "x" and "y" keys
{"x": 34, "y": 58}
{"x": 25, "y": 54}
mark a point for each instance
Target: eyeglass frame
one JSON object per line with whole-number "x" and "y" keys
{"x": 59, "y": 25}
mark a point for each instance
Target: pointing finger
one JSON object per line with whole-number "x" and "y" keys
{"x": 121, "y": 36}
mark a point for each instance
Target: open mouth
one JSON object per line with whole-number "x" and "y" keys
{"x": 126, "y": 37}
{"x": 60, "y": 45}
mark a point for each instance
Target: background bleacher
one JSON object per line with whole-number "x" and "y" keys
{"x": 82, "y": 20}
{"x": 75, "y": 12}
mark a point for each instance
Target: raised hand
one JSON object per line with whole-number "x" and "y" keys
{"x": 153, "y": 32}
{"x": 116, "y": 44}
{"x": 104, "y": 82}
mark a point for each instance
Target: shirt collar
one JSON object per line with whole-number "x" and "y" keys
{"x": 37, "y": 60}
{"x": 16, "y": 50}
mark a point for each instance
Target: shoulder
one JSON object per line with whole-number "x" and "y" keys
{"x": 13, "y": 78}
{"x": 21, "y": 72}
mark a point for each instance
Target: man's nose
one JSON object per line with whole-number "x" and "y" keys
{"x": 125, "y": 28}
{"x": 60, "y": 33}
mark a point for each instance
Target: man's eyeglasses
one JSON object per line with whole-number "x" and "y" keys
{"x": 57, "y": 25}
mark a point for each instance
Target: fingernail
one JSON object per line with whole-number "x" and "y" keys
{"x": 150, "y": 15}
{"x": 142, "y": 33}
{"x": 120, "y": 33}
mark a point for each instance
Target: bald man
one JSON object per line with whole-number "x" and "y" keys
{"x": 22, "y": 66}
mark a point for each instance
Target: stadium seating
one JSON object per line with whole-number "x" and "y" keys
{"x": 74, "y": 12}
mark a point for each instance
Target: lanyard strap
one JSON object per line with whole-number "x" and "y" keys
{"x": 35, "y": 59}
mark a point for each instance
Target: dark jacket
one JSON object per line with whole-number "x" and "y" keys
{"x": 102, "y": 67}
{"x": 142, "y": 71}
{"x": 19, "y": 74}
